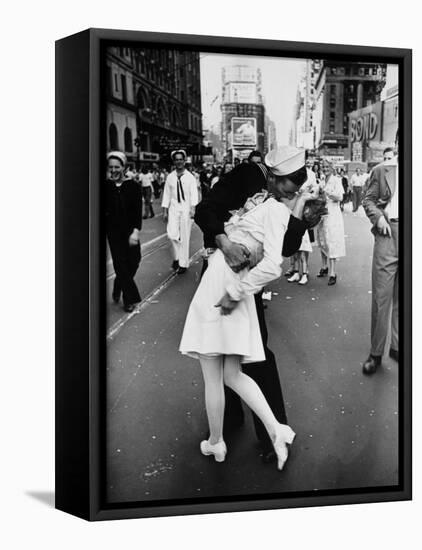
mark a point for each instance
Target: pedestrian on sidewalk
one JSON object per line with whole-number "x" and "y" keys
{"x": 299, "y": 262}
{"x": 381, "y": 205}
{"x": 123, "y": 211}
{"x": 180, "y": 196}
{"x": 346, "y": 192}
{"x": 155, "y": 176}
{"x": 145, "y": 178}
{"x": 330, "y": 231}
{"x": 357, "y": 182}
{"x": 232, "y": 191}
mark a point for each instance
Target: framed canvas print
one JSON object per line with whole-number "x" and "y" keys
{"x": 233, "y": 274}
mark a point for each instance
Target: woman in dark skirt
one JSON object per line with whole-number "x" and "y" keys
{"x": 123, "y": 226}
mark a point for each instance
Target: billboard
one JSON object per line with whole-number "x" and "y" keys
{"x": 365, "y": 124}
{"x": 243, "y": 132}
{"x": 241, "y": 92}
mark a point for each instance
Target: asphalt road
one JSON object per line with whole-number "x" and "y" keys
{"x": 346, "y": 423}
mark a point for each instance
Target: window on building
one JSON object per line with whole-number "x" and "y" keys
{"x": 182, "y": 95}
{"x": 142, "y": 103}
{"x": 182, "y": 72}
{"x": 128, "y": 140}
{"x": 116, "y": 83}
{"x": 113, "y": 137}
{"x": 124, "y": 89}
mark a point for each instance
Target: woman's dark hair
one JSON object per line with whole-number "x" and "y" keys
{"x": 255, "y": 154}
{"x": 298, "y": 178}
{"x": 144, "y": 170}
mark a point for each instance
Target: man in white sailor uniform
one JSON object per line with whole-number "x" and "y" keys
{"x": 180, "y": 197}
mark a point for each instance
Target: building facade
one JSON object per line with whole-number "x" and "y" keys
{"x": 243, "y": 125}
{"x": 303, "y": 133}
{"x": 374, "y": 128}
{"x": 153, "y": 103}
{"x": 270, "y": 140}
{"x": 340, "y": 89}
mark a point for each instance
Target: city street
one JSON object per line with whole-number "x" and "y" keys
{"x": 346, "y": 423}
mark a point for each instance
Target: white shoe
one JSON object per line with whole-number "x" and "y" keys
{"x": 294, "y": 278}
{"x": 219, "y": 450}
{"x": 284, "y": 437}
{"x": 304, "y": 279}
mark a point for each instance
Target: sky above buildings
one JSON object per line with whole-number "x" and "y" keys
{"x": 280, "y": 80}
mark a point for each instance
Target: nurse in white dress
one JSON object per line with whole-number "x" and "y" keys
{"x": 330, "y": 231}
{"x": 180, "y": 196}
{"x": 221, "y": 328}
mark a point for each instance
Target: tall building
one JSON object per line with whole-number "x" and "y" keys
{"x": 270, "y": 141}
{"x": 243, "y": 112}
{"x": 341, "y": 88}
{"x": 153, "y": 97}
{"x": 303, "y": 134}
{"x": 374, "y": 127}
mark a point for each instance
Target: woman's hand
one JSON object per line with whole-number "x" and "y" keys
{"x": 165, "y": 215}
{"x": 298, "y": 206}
{"x": 226, "y": 304}
{"x": 306, "y": 196}
{"x": 236, "y": 255}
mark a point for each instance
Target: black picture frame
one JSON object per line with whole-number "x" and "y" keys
{"x": 80, "y": 309}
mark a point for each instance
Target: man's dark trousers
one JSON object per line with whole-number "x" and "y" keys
{"x": 356, "y": 197}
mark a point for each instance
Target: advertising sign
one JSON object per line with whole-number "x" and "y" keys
{"x": 241, "y": 153}
{"x": 240, "y": 73}
{"x": 243, "y": 132}
{"x": 241, "y": 92}
{"x": 146, "y": 155}
{"x": 365, "y": 124}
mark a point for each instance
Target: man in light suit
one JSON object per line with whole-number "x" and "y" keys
{"x": 381, "y": 205}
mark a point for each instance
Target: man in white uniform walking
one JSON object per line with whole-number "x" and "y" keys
{"x": 179, "y": 200}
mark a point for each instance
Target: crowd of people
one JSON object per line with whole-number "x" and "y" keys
{"x": 252, "y": 215}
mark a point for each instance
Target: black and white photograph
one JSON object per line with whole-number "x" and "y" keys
{"x": 211, "y": 275}
{"x": 252, "y": 292}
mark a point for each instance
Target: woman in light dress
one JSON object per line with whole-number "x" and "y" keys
{"x": 222, "y": 329}
{"x": 330, "y": 231}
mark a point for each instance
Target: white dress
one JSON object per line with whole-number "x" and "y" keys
{"x": 330, "y": 230}
{"x": 206, "y": 331}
